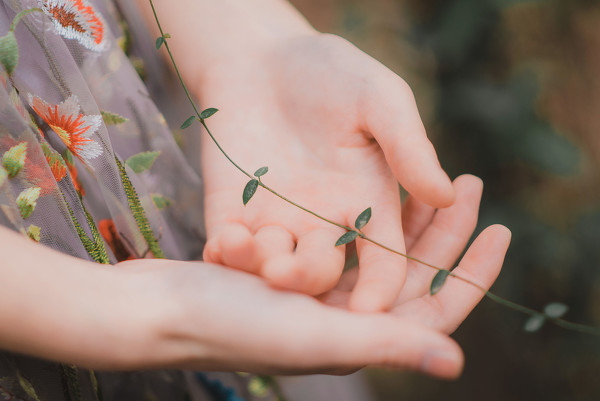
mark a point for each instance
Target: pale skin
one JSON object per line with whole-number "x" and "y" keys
{"x": 337, "y": 148}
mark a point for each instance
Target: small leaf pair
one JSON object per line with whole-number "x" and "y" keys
{"x": 361, "y": 221}
{"x": 161, "y": 40}
{"x": 252, "y": 185}
{"x": 203, "y": 115}
{"x": 554, "y": 310}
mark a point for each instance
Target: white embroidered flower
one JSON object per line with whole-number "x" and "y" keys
{"x": 73, "y": 128}
{"x": 77, "y": 19}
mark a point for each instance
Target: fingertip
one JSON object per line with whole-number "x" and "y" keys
{"x": 237, "y": 248}
{"x": 470, "y": 180}
{"x": 445, "y": 363}
{"x": 499, "y": 233}
{"x": 211, "y": 253}
{"x": 438, "y": 191}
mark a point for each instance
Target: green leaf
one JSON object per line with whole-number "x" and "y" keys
{"x": 167, "y": 36}
{"x": 261, "y": 171}
{"x": 139, "y": 214}
{"x": 159, "y": 42}
{"x": 208, "y": 112}
{"x": 363, "y": 218}
{"x": 249, "y": 190}
{"x": 534, "y": 323}
{"x": 161, "y": 202}
{"x": 112, "y": 118}
{"x": 142, "y": 161}
{"x": 555, "y": 310}
{"x": 13, "y": 159}
{"x": 257, "y": 387}
{"x": 9, "y": 52}
{"x": 27, "y": 387}
{"x": 438, "y": 281}
{"x": 33, "y": 232}
{"x": 188, "y": 122}
{"x": 27, "y": 201}
{"x": 348, "y": 237}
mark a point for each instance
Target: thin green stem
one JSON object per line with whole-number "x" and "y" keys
{"x": 303, "y": 208}
{"x": 509, "y": 304}
{"x": 20, "y": 15}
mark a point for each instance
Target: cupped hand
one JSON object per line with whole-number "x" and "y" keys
{"x": 223, "y": 319}
{"x": 338, "y": 131}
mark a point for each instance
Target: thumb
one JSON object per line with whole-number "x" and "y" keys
{"x": 349, "y": 340}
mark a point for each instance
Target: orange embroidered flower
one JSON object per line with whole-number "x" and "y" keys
{"x": 73, "y": 128}
{"x": 76, "y": 19}
{"x": 56, "y": 163}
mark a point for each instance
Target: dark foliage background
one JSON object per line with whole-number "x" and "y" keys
{"x": 509, "y": 90}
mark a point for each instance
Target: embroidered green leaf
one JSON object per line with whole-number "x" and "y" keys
{"x": 27, "y": 386}
{"x": 3, "y": 175}
{"x": 188, "y": 122}
{"x": 534, "y": 323}
{"x": 95, "y": 248}
{"x": 14, "y": 159}
{"x": 159, "y": 42}
{"x": 348, "y": 237}
{"x": 142, "y": 161}
{"x": 33, "y": 232}
{"x": 161, "y": 202}
{"x": 112, "y": 118}
{"x": 94, "y": 381}
{"x": 261, "y": 171}
{"x": 9, "y": 52}
{"x": 102, "y": 255}
{"x": 27, "y": 201}
{"x": 363, "y": 219}
{"x": 257, "y": 387}
{"x": 71, "y": 377}
{"x": 138, "y": 213}
{"x": 438, "y": 281}
{"x": 555, "y": 310}
{"x": 208, "y": 112}
{"x": 249, "y": 191}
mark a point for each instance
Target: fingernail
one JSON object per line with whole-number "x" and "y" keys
{"x": 441, "y": 363}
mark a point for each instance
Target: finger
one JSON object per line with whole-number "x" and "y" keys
{"x": 314, "y": 268}
{"x": 444, "y": 239}
{"x": 381, "y": 273}
{"x": 391, "y": 116}
{"x": 233, "y": 245}
{"x": 416, "y": 216}
{"x": 481, "y": 265}
{"x": 273, "y": 241}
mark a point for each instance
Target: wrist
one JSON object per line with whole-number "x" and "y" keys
{"x": 207, "y": 34}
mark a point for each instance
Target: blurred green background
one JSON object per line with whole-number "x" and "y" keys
{"x": 509, "y": 90}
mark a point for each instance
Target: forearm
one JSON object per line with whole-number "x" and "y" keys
{"x": 62, "y": 308}
{"x": 206, "y": 33}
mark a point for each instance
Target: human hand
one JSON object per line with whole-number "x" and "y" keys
{"x": 439, "y": 237}
{"x": 215, "y": 318}
{"x": 338, "y": 130}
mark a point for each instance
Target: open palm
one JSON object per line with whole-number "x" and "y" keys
{"x": 338, "y": 131}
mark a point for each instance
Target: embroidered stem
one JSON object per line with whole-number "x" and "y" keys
{"x": 139, "y": 213}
